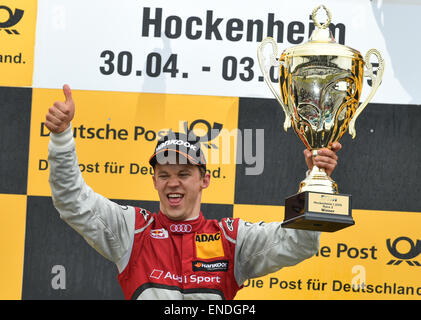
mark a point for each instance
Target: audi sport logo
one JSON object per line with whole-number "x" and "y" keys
{"x": 181, "y": 228}
{"x": 156, "y": 274}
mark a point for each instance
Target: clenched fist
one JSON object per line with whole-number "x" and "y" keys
{"x": 326, "y": 158}
{"x": 61, "y": 113}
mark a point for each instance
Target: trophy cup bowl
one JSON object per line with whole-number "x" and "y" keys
{"x": 320, "y": 85}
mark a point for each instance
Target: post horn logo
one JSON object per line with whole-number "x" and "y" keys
{"x": 414, "y": 251}
{"x": 12, "y": 20}
{"x": 211, "y": 132}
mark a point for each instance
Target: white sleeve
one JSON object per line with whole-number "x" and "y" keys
{"x": 263, "y": 248}
{"x": 105, "y": 225}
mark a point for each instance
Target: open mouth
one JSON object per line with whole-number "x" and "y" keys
{"x": 175, "y": 198}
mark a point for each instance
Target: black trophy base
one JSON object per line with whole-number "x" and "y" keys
{"x": 318, "y": 211}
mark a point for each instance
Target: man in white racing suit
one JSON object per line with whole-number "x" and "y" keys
{"x": 175, "y": 253}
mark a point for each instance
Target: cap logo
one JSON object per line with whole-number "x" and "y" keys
{"x": 176, "y": 142}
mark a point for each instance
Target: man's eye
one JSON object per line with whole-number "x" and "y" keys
{"x": 183, "y": 174}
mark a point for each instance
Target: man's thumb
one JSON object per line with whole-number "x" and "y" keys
{"x": 67, "y": 93}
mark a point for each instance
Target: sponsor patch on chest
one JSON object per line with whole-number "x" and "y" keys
{"x": 159, "y": 233}
{"x": 219, "y": 265}
{"x": 209, "y": 245}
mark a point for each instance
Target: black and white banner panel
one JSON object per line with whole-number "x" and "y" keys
{"x": 138, "y": 69}
{"x": 209, "y": 48}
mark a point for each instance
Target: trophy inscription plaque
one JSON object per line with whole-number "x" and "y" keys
{"x": 320, "y": 84}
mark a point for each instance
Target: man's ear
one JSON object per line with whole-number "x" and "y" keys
{"x": 206, "y": 181}
{"x": 154, "y": 180}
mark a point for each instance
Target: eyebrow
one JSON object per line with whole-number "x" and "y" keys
{"x": 163, "y": 171}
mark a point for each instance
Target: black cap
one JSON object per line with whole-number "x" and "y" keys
{"x": 177, "y": 148}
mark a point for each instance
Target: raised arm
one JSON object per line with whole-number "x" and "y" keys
{"x": 106, "y": 226}
{"x": 263, "y": 248}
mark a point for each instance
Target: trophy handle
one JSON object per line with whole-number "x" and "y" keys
{"x": 375, "y": 83}
{"x": 266, "y": 70}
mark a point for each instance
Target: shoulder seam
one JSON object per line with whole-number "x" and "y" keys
{"x": 225, "y": 234}
{"x": 144, "y": 227}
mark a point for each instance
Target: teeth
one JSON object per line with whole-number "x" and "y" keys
{"x": 175, "y": 195}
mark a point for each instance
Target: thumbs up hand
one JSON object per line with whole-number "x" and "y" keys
{"x": 61, "y": 114}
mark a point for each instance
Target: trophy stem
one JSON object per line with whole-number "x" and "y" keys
{"x": 318, "y": 181}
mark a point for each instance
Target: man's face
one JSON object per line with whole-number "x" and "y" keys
{"x": 179, "y": 188}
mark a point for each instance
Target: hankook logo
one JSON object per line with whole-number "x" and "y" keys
{"x": 12, "y": 19}
{"x": 220, "y": 265}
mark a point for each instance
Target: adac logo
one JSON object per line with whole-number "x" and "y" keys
{"x": 12, "y": 19}
{"x": 205, "y": 237}
{"x": 208, "y": 246}
{"x": 414, "y": 251}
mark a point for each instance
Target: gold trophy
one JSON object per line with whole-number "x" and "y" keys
{"x": 320, "y": 87}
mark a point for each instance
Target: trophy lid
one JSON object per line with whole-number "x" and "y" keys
{"x": 322, "y": 42}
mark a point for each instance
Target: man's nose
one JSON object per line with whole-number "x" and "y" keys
{"x": 173, "y": 181}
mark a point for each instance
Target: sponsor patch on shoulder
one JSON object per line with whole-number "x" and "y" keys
{"x": 219, "y": 265}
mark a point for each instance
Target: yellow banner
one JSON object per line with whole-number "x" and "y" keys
{"x": 17, "y": 38}
{"x": 12, "y": 244}
{"x": 116, "y": 132}
{"x": 377, "y": 258}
